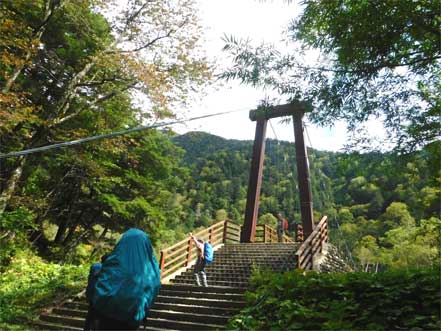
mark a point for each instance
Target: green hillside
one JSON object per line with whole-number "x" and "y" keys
{"x": 380, "y": 206}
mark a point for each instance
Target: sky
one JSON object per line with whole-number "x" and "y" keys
{"x": 260, "y": 21}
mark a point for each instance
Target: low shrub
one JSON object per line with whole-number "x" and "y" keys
{"x": 394, "y": 300}
{"x": 29, "y": 284}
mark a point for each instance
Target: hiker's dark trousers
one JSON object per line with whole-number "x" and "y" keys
{"x": 199, "y": 272}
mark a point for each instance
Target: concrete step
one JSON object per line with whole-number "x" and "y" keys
{"x": 210, "y": 289}
{"x": 199, "y": 302}
{"x": 270, "y": 251}
{"x": 77, "y": 305}
{"x": 221, "y": 311}
{"x": 246, "y": 245}
{"x": 219, "y": 274}
{"x": 165, "y": 324}
{"x": 193, "y": 317}
{"x": 214, "y": 278}
{"x": 56, "y": 322}
{"x": 240, "y": 271}
{"x": 213, "y": 283}
{"x": 232, "y": 252}
{"x": 42, "y": 325}
{"x": 151, "y": 328}
{"x": 235, "y": 262}
{"x": 63, "y": 320}
{"x": 182, "y": 305}
{"x": 245, "y": 267}
{"x": 79, "y": 313}
{"x": 219, "y": 296}
{"x": 257, "y": 249}
{"x": 256, "y": 257}
{"x": 250, "y": 262}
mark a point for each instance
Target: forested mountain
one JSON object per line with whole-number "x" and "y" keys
{"x": 75, "y": 69}
{"x": 220, "y": 173}
{"x": 376, "y": 203}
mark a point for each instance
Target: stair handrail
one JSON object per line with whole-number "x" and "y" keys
{"x": 182, "y": 253}
{"x": 287, "y": 239}
{"x": 268, "y": 234}
{"x": 313, "y": 244}
{"x": 299, "y": 233}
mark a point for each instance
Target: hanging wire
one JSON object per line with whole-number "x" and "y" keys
{"x": 307, "y": 135}
{"x": 346, "y": 247}
{"x": 348, "y": 251}
{"x": 272, "y": 128}
{"x": 109, "y": 135}
{"x": 311, "y": 163}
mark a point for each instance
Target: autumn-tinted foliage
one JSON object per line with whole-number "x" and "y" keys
{"x": 69, "y": 70}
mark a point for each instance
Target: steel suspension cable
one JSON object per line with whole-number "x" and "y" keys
{"x": 110, "y": 135}
{"x": 272, "y": 128}
{"x": 348, "y": 252}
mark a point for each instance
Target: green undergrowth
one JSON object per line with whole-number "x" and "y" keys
{"x": 394, "y": 300}
{"x": 29, "y": 284}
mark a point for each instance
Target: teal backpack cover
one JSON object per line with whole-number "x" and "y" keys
{"x": 129, "y": 280}
{"x": 208, "y": 253}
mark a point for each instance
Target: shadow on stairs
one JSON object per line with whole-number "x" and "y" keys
{"x": 183, "y": 306}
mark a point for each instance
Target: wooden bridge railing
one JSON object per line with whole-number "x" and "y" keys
{"x": 313, "y": 244}
{"x": 182, "y": 253}
{"x": 299, "y": 233}
{"x": 267, "y": 234}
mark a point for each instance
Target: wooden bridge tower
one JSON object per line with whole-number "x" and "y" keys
{"x": 261, "y": 116}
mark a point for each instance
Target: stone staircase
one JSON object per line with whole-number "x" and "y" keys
{"x": 183, "y": 306}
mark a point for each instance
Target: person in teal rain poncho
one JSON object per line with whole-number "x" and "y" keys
{"x": 128, "y": 283}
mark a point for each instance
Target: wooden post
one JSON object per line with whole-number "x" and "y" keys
{"x": 210, "y": 234}
{"x": 255, "y": 182}
{"x": 261, "y": 116}
{"x": 264, "y": 233}
{"x": 299, "y": 232}
{"x": 187, "y": 260}
{"x": 324, "y": 235}
{"x": 224, "y": 239}
{"x": 303, "y": 176}
{"x": 162, "y": 260}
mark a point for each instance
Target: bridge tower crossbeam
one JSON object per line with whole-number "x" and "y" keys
{"x": 261, "y": 116}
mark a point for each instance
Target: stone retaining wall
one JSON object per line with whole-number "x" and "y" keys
{"x": 331, "y": 260}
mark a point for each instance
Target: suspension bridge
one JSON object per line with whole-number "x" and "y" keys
{"x": 181, "y": 305}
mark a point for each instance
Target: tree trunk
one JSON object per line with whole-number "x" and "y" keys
{"x": 35, "y": 236}
{"x": 70, "y": 93}
{"x": 73, "y": 245}
{"x": 103, "y": 234}
{"x": 70, "y": 234}
{"x": 73, "y": 226}
{"x": 100, "y": 238}
{"x": 8, "y": 191}
{"x": 60, "y": 232}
